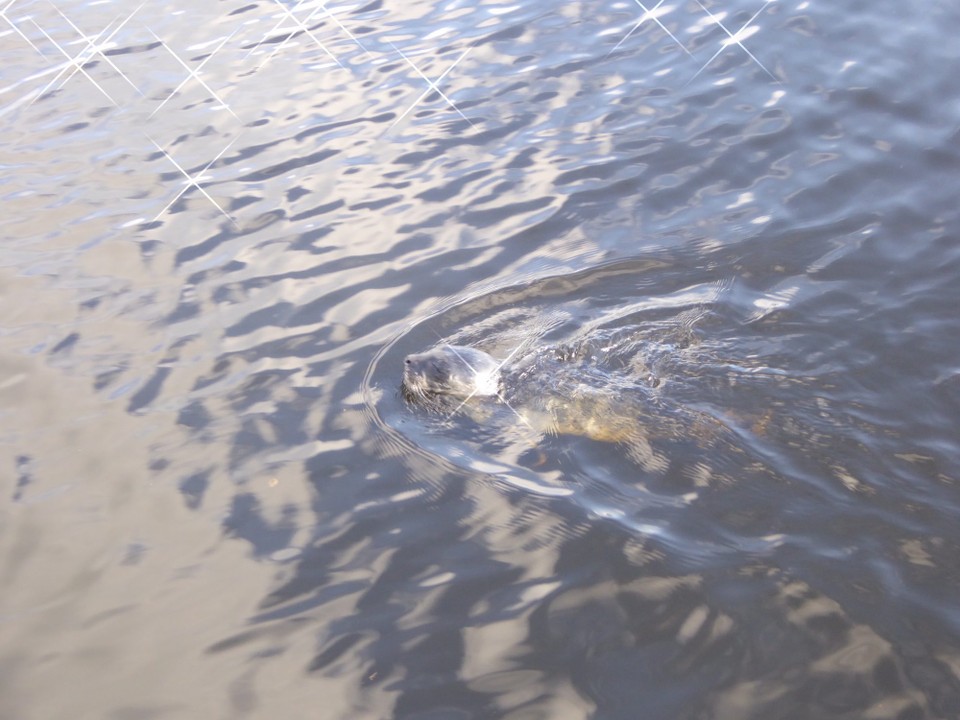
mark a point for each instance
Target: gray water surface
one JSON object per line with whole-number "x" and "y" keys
{"x": 224, "y": 226}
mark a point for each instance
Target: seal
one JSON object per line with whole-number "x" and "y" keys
{"x": 456, "y": 371}
{"x": 553, "y": 390}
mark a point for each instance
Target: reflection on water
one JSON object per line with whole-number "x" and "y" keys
{"x": 719, "y": 240}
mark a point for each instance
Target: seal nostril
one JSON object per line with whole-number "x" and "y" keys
{"x": 407, "y": 361}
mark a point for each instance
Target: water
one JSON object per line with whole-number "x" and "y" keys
{"x": 224, "y": 226}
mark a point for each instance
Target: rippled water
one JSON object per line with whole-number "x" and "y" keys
{"x": 722, "y": 236}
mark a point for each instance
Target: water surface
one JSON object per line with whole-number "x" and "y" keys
{"x": 226, "y": 224}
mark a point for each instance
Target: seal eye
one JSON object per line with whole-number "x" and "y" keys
{"x": 407, "y": 361}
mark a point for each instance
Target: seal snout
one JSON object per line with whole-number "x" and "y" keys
{"x": 410, "y": 370}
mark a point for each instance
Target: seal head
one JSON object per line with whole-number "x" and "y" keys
{"x": 452, "y": 370}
